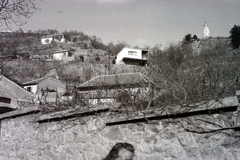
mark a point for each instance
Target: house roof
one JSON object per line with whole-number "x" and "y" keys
{"x": 116, "y": 81}
{"x": 49, "y": 82}
{"x": 133, "y": 49}
{"x": 53, "y": 35}
{"x": 35, "y": 81}
{"x": 9, "y": 89}
{"x": 60, "y": 51}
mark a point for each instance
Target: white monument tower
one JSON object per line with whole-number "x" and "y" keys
{"x": 206, "y": 32}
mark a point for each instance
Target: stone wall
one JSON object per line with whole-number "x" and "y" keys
{"x": 32, "y": 136}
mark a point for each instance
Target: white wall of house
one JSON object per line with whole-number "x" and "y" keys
{"x": 57, "y": 38}
{"x": 31, "y": 88}
{"x": 63, "y": 56}
{"x": 46, "y": 40}
{"x": 59, "y": 56}
{"x": 128, "y": 53}
{"x": 135, "y": 54}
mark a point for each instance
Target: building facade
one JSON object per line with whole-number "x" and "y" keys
{"x": 130, "y": 56}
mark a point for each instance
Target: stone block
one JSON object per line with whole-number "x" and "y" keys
{"x": 89, "y": 153}
{"x": 114, "y": 134}
{"x": 96, "y": 139}
{"x": 137, "y": 137}
{"x": 158, "y": 148}
{"x": 154, "y": 157}
{"x": 192, "y": 151}
{"x": 132, "y": 127}
{"x": 60, "y": 139}
{"x": 42, "y": 146}
{"x": 174, "y": 150}
{"x": 69, "y": 138}
{"x": 146, "y": 149}
{"x": 82, "y": 138}
{"x": 86, "y": 146}
{"x": 39, "y": 151}
{"x": 84, "y": 156}
{"x": 186, "y": 139}
{"x": 76, "y": 155}
{"x": 63, "y": 156}
{"x": 69, "y": 150}
{"x": 50, "y": 154}
{"x": 99, "y": 152}
{"x": 151, "y": 139}
{"x": 96, "y": 158}
{"x": 43, "y": 136}
{"x": 79, "y": 147}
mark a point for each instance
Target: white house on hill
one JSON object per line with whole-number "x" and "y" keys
{"x": 63, "y": 55}
{"x": 56, "y": 37}
{"x": 132, "y": 57}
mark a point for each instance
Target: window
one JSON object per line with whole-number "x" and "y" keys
{"x": 132, "y": 53}
{"x": 29, "y": 89}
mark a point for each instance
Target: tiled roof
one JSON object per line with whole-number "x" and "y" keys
{"x": 116, "y": 81}
{"x": 10, "y": 89}
{"x": 53, "y": 35}
{"x": 35, "y": 81}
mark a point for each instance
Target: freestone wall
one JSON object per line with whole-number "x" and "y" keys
{"x": 89, "y": 135}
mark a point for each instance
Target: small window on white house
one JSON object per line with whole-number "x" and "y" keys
{"x": 29, "y": 89}
{"x": 132, "y": 53}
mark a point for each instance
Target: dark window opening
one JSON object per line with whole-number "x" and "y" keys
{"x": 29, "y": 89}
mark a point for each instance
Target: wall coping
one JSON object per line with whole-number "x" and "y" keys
{"x": 71, "y": 113}
{"x": 20, "y": 112}
{"x": 228, "y": 104}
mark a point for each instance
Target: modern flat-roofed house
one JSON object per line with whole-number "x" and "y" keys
{"x": 55, "y": 37}
{"x": 11, "y": 95}
{"x": 46, "y": 89}
{"x": 123, "y": 88}
{"x": 64, "y": 55}
{"x": 131, "y": 56}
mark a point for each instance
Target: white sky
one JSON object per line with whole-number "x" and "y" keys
{"x": 137, "y": 22}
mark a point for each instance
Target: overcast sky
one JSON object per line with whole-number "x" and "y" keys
{"x": 137, "y": 22}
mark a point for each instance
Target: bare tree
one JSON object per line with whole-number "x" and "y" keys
{"x": 16, "y": 11}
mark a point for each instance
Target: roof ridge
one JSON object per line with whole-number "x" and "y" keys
{"x": 112, "y": 75}
{"x": 38, "y": 79}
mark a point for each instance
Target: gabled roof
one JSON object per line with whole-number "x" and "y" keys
{"x": 60, "y": 51}
{"x": 35, "y": 81}
{"x": 53, "y": 35}
{"x": 9, "y": 89}
{"x": 126, "y": 80}
{"x": 51, "y": 83}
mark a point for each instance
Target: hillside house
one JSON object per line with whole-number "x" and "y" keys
{"x": 63, "y": 55}
{"x": 123, "y": 88}
{"x": 11, "y": 95}
{"x": 55, "y": 37}
{"x": 46, "y": 89}
{"x": 132, "y": 57}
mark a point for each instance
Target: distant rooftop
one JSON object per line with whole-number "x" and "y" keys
{"x": 116, "y": 81}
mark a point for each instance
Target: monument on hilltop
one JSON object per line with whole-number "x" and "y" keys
{"x": 206, "y": 32}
